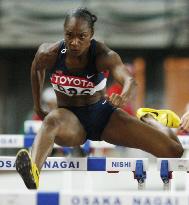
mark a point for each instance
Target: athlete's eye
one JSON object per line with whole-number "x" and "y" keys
{"x": 82, "y": 36}
{"x": 68, "y": 35}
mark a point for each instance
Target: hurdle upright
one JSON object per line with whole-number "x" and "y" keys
{"x": 166, "y": 166}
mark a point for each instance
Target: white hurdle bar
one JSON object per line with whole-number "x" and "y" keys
{"x": 95, "y": 198}
{"x": 167, "y": 165}
{"x": 20, "y": 141}
{"x": 111, "y": 165}
{"x": 31, "y": 127}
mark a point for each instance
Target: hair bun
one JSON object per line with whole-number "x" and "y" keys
{"x": 84, "y": 13}
{"x": 94, "y": 18}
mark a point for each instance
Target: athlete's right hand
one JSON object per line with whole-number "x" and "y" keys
{"x": 185, "y": 122}
{"x": 117, "y": 100}
{"x": 41, "y": 113}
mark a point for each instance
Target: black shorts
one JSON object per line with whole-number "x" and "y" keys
{"x": 94, "y": 117}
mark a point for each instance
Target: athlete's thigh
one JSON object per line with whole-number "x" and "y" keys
{"x": 128, "y": 131}
{"x": 70, "y": 131}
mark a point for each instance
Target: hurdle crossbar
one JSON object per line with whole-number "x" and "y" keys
{"x": 175, "y": 164}
{"x": 82, "y": 164}
{"x": 111, "y": 165}
{"x": 20, "y": 141}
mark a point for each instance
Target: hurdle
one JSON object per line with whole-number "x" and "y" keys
{"x": 139, "y": 166}
{"x": 110, "y": 165}
{"x": 96, "y": 198}
{"x": 20, "y": 141}
{"x": 31, "y": 128}
{"x": 26, "y": 141}
{"x": 166, "y": 166}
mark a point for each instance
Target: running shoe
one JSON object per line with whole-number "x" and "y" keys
{"x": 165, "y": 117}
{"x": 27, "y": 169}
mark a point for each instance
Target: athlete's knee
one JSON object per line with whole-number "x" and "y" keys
{"x": 179, "y": 150}
{"x": 175, "y": 150}
{"x": 52, "y": 119}
{"x": 177, "y": 146}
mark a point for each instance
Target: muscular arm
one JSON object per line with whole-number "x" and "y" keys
{"x": 120, "y": 73}
{"x": 111, "y": 61}
{"x": 44, "y": 59}
{"x": 37, "y": 81}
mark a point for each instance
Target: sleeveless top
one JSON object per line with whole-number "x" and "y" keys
{"x": 85, "y": 82}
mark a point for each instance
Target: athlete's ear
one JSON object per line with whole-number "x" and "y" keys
{"x": 92, "y": 33}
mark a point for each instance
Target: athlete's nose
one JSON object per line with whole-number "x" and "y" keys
{"x": 75, "y": 42}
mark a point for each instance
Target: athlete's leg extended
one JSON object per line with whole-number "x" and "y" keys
{"x": 149, "y": 135}
{"x": 60, "y": 126}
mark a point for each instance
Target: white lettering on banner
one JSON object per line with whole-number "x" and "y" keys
{"x": 74, "y": 85}
{"x": 76, "y": 200}
{"x": 71, "y": 81}
{"x": 77, "y": 82}
{"x": 61, "y": 164}
{"x": 121, "y": 164}
{"x": 155, "y": 201}
{"x": 62, "y": 80}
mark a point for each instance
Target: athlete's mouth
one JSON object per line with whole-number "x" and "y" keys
{"x": 75, "y": 50}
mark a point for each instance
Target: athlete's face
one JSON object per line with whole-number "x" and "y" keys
{"x": 77, "y": 35}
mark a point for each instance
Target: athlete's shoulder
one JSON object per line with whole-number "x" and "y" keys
{"x": 103, "y": 50}
{"x": 48, "y": 48}
{"x": 47, "y": 53}
{"x": 105, "y": 56}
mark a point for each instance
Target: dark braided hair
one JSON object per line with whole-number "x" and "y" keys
{"x": 82, "y": 13}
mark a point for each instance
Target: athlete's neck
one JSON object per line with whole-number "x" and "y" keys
{"x": 80, "y": 58}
